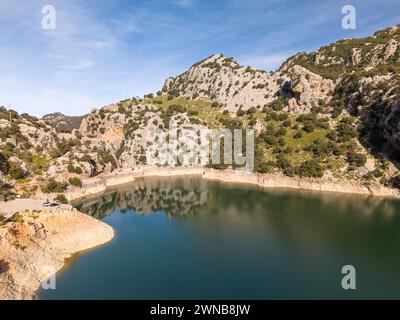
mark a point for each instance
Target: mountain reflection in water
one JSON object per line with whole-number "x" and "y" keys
{"x": 147, "y": 196}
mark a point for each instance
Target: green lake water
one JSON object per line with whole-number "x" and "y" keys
{"x": 188, "y": 238}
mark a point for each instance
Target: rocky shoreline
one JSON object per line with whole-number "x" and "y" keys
{"x": 35, "y": 244}
{"x": 99, "y": 185}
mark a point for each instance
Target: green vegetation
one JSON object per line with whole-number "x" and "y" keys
{"x": 311, "y": 169}
{"x": 107, "y": 157}
{"x": 278, "y": 104}
{"x": 15, "y": 172}
{"x": 72, "y": 169}
{"x": 336, "y": 57}
{"x": 40, "y": 163}
{"x": 395, "y": 181}
{"x": 5, "y": 192}
{"x": 356, "y": 160}
{"x": 76, "y": 182}
{"x": 53, "y": 186}
{"x": 60, "y": 198}
{"x": 306, "y": 146}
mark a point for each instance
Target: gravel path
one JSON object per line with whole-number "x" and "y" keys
{"x": 7, "y": 209}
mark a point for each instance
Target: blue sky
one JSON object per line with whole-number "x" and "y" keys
{"x": 103, "y": 51}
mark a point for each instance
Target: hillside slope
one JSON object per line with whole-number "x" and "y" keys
{"x": 332, "y": 113}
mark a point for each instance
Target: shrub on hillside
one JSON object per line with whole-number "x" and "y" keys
{"x": 61, "y": 199}
{"x": 320, "y": 148}
{"x": 311, "y": 169}
{"x": 53, "y": 186}
{"x": 278, "y": 104}
{"x": 355, "y": 159}
{"x": 346, "y": 130}
{"x": 281, "y": 132}
{"x": 240, "y": 113}
{"x": 309, "y": 126}
{"x": 284, "y": 164}
{"x": 76, "y": 182}
{"x": 176, "y": 108}
{"x": 264, "y": 166}
{"x": 5, "y": 193}
{"x": 252, "y": 110}
{"x": 72, "y": 169}
{"x": 193, "y": 112}
{"x": 395, "y": 181}
{"x": 15, "y": 171}
{"x": 298, "y": 135}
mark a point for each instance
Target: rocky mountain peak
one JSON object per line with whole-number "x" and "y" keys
{"x": 63, "y": 123}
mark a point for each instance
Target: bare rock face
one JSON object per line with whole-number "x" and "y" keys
{"x": 234, "y": 87}
{"x": 106, "y": 124}
{"x": 37, "y": 136}
{"x": 140, "y": 141}
{"x": 391, "y": 49}
{"x": 306, "y": 89}
{"x": 356, "y": 56}
{"x": 382, "y": 53}
{"x": 40, "y": 230}
{"x": 223, "y": 80}
{"x": 4, "y": 123}
{"x": 135, "y": 145}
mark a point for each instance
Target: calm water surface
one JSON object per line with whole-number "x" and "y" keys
{"x": 187, "y": 238}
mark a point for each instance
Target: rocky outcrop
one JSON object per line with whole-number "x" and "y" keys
{"x": 33, "y": 245}
{"x": 235, "y": 87}
{"x": 306, "y": 90}
{"x": 223, "y": 80}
